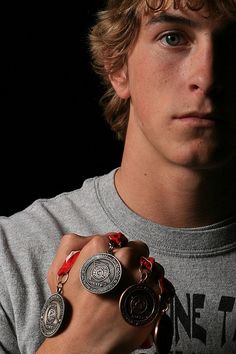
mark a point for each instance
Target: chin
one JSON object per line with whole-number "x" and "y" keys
{"x": 212, "y": 162}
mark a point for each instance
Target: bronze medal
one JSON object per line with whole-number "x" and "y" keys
{"x": 139, "y": 305}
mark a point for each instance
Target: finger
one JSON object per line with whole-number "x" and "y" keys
{"x": 109, "y": 242}
{"x": 97, "y": 244}
{"x": 140, "y": 247}
{"x": 129, "y": 256}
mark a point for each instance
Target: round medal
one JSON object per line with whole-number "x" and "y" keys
{"x": 52, "y": 315}
{"x": 139, "y": 304}
{"x": 101, "y": 273}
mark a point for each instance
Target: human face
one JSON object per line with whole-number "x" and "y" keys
{"x": 182, "y": 84}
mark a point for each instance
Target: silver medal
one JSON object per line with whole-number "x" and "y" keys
{"x": 101, "y": 273}
{"x": 139, "y": 304}
{"x": 52, "y": 315}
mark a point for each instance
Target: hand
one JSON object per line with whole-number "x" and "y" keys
{"x": 94, "y": 322}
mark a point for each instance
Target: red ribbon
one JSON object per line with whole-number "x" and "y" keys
{"x": 67, "y": 265}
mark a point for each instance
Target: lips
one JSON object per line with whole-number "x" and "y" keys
{"x": 197, "y": 119}
{"x": 206, "y": 118}
{"x": 198, "y": 115}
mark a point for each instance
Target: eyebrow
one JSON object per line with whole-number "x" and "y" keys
{"x": 167, "y": 18}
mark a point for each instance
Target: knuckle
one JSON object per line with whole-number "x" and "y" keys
{"x": 67, "y": 238}
{"x": 144, "y": 246}
{"x": 128, "y": 256}
{"x": 140, "y": 247}
{"x": 68, "y": 241}
{"x": 95, "y": 242}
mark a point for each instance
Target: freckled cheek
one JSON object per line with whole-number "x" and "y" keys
{"x": 152, "y": 79}
{"x": 163, "y": 73}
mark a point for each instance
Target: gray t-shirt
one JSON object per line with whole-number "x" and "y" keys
{"x": 200, "y": 262}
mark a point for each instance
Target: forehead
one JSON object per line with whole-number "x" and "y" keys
{"x": 208, "y": 8}
{"x": 196, "y": 18}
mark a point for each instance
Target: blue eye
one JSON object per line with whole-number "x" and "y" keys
{"x": 173, "y": 39}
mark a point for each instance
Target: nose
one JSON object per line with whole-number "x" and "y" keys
{"x": 201, "y": 73}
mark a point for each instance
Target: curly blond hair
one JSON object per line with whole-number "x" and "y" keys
{"x": 115, "y": 33}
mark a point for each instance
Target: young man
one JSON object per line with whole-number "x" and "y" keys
{"x": 170, "y": 71}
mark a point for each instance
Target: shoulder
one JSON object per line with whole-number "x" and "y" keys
{"x": 58, "y": 215}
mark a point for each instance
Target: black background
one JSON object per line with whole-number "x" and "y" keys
{"x": 53, "y": 134}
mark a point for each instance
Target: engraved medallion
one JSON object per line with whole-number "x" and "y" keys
{"x": 101, "y": 273}
{"x": 52, "y": 315}
{"x": 139, "y": 304}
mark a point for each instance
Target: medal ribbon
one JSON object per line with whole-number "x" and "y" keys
{"x": 52, "y": 314}
{"x": 67, "y": 265}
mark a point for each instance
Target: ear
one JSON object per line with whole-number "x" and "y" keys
{"x": 120, "y": 82}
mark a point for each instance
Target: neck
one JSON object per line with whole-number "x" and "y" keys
{"x": 172, "y": 195}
